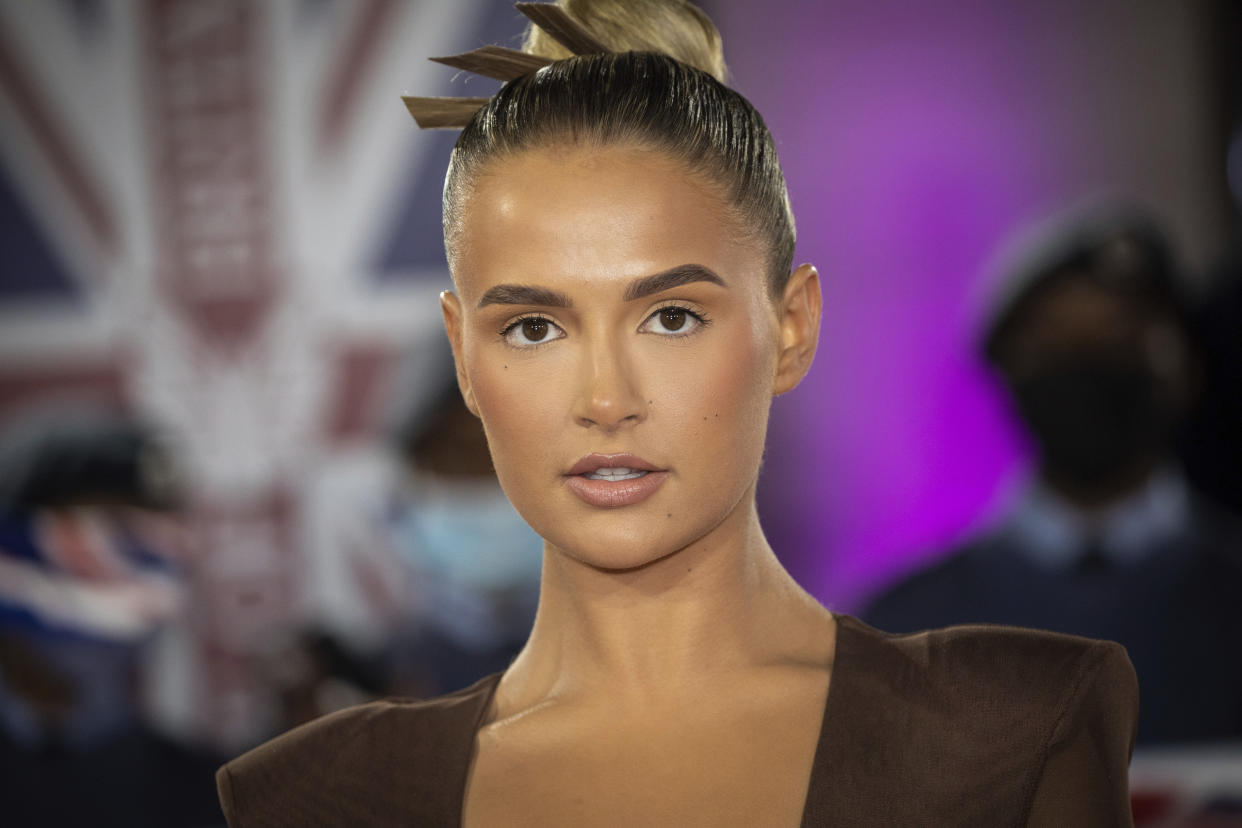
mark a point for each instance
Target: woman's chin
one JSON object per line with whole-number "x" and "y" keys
{"x": 617, "y": 554}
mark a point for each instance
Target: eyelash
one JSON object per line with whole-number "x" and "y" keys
{"x": 515, "y": 323}
{"x": 701, "y": 319}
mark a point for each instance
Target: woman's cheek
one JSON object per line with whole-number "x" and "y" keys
{"x": 518, "y": 401}
{"x": 722, "y": 387}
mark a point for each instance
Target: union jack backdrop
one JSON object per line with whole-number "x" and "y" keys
{"x": 218, "y": 217}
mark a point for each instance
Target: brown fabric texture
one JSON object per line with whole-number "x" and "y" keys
{"x": 964, "y": 726}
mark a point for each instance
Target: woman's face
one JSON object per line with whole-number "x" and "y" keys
{"x": 614, "y": 331}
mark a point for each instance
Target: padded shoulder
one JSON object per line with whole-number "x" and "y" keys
{"x": 989, "y": 660}
{"x": 387, "y": 762}
{"x": 978, "y": 659}
{"x": 964, "y": 718}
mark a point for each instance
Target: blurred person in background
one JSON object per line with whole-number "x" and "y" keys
{"x": 1090, "y": 339}
{"x": 474, "y": 562}
{"x": 88, "y": 575}
{"x": 425, "y": 578}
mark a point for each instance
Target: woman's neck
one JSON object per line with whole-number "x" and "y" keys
{"x": 718, "y": 607}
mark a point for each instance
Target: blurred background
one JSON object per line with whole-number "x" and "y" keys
{"x": 235, "y": 478}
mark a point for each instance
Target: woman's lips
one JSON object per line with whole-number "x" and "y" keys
{"x": 633, "y": 479}
{"x": 612, "y": 493}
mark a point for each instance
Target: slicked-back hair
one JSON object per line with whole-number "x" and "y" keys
{"x": 642, "y": 98}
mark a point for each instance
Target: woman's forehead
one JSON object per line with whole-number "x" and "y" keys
{"x": 593, "y": 214}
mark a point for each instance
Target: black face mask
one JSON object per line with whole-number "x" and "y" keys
{"x": 1093, "y": 418}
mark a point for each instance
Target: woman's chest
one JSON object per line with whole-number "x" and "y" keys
{"x": 740, "y": 770}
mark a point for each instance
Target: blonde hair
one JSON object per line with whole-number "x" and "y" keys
{"x": 671, "y": 27}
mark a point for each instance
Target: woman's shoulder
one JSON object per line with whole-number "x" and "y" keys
{"x": 358, "y": 765}
{"x": 1001, "y": 717}
{"x": 982, "y": 661}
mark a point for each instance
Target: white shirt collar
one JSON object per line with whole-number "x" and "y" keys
{"x": 1055, "y": 534}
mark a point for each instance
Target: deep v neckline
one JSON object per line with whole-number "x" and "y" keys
{"x": 819, "y": 758}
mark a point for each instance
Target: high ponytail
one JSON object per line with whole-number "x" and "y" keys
{"x": 677, "y": 29}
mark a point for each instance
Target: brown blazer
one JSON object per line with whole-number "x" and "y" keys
{"x": 964, "y": 726}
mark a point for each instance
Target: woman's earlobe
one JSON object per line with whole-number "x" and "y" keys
{"x": 450, "y": 307}
{"x": 801, "y": 307}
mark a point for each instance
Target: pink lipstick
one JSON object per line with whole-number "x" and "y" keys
{"x": 614, "y": 480}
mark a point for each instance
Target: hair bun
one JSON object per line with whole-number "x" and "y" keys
{"x": 671, "y": 27}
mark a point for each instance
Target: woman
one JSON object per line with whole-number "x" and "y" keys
{"x": 625, "y": 308}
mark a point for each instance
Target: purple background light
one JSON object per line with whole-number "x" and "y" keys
{"x": 915, "y": 139}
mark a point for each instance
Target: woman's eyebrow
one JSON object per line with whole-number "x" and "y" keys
{"x": 525, "y": 295}
{"x": 637, "y": 289}
{"x": 671, "y": 278}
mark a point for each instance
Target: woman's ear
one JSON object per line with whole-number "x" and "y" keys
{"x": 450, "y": 306}
{"x": 800, "y": 309}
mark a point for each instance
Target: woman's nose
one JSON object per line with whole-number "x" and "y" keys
{"x": 609, "y": 397}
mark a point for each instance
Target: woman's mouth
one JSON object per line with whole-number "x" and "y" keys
{"x": 613, "y": 480}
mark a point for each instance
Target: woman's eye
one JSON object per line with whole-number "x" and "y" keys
{"x": 533, "y": 330}
{"x": 672, "y": 321}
